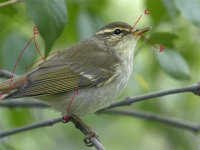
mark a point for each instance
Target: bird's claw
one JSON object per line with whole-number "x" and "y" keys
{"x": 87, "y": 138}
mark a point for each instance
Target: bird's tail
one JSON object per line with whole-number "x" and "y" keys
{"x": 12, "y": 84}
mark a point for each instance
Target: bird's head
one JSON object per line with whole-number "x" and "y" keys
{"x": 119, "y": 33}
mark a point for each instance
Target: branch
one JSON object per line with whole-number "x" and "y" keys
{"x": 11, "y": 104}
{"x": 139, "y": 114}
{"x": 144, "y": 115}
{"x": 97, "y": 144}
{"x": 9, "y": 2}
{"x": 30, "y": 127}
{"x": 5, "y": 73}
{"x": 87, "y": 131}
{"x": 194, "y": 88}
{"x": 51, "y": 122}
{"x": 158, "y": 118}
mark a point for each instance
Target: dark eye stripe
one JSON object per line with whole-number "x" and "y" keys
{"x": 111, "y": 30}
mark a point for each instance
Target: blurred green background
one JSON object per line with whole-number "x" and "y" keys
{"x": 175, "y": 24}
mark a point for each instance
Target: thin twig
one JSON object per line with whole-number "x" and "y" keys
{"x": 51, "y": 122}
{"x": 97, "y": 144}
{"x": 11, "y": 104}
{"x": 139, "y": 114}
{"x": 9, "y": 2}
{"x": 31, "y": 127}
{"x": 79, "y": 124}
{"x": 144, "y": 115}
{"x": 6, "y": 74}
{"x": 194, "y": 88}
{"x": 158, "y": 118}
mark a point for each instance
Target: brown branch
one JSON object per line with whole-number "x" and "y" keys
{"x": 170, "y": 121}
{"x": 9, "y": 2}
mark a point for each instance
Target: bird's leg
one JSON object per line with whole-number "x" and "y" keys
{"x": 81, "y": 125}
{"x": 66, "y": 118}
{"x": 86, "y": 139}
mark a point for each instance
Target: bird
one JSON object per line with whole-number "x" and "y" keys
{"x": 83, "y": 78}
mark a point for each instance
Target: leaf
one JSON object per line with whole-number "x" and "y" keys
{"x": 166, "y": 39}
{"x": 9, "y": 10}
{"x": 11, "y": 53}
{"x": 157, "y": 10}
{"x": 50, "y": 17}
{"x": 170, "y": 8}
{"x": 189, "y": 9}
{"x": 85, "y": 24}
{"x": 174, "y": 64}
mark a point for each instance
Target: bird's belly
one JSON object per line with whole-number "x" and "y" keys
{"x": 88, "y": 100}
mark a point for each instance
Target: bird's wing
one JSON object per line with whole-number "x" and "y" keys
{"x": 74, "y": 68}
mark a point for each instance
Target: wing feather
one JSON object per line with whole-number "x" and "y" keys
{"x": 66, "y": 72}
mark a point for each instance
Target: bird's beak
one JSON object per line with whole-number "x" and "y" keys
{"x": 140, "y": 32}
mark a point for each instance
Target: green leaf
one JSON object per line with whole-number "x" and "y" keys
{"x": 170, "y": 8}
{"x": 85, "y": 24}
{"x": 9, "y": 10}
{"x": 157, "y": 10}
{"x": 50, "y": 16}
{"x": 189, "y": 9}
{"x": 174, "y": 64}
{"x": 166, "y": 39}
{"x": 11, "y": 53}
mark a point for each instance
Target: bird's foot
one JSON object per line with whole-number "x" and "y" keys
{"x": 87, "y": 138}
{"x": 89, "y": 133}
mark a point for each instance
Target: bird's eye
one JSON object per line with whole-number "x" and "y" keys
{"x": 117, "y": 31}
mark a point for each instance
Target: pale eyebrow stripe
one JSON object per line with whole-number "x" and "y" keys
{"x": 110, "y": 30}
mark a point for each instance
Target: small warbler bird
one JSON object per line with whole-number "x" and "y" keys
{"x": 85, "y": 77}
